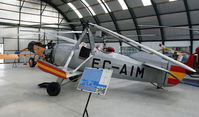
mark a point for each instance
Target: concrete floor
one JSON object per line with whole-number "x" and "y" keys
{"x": 20, "y": 97}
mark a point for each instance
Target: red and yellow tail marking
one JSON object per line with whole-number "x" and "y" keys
{"x": 51, "y": 69}
{"x": 177, "y": 71}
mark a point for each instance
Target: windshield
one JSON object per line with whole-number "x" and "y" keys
{"x": 185, "y": 57}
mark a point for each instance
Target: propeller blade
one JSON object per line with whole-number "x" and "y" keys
{"x": 146, "y": 49}
{"x": 22, "y": 50}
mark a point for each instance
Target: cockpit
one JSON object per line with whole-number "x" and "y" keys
{"x": 184, "y": 57}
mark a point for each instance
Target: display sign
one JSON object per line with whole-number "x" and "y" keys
{"x": 95, "y": 80}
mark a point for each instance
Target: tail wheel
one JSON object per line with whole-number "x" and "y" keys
{"x": 53, "y": 89}
{"x": 32, "y": 62}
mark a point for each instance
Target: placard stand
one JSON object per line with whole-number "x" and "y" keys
{"x": 94, "y": 81}
{"x": 85, "y": 110}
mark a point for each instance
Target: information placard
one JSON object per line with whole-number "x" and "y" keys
{"x": 95, "y": 80}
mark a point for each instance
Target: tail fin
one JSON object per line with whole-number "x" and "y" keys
{"x": 177, "y": 71}
{"x": 190, "y": 61}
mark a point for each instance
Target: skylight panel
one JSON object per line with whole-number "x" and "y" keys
{"x": 89, "y": 7}
{"x": 123, "y": 4}
{"x": 75, "y": 9}
{"x": 104, "y": 7}
{"x": 146, "y": 2}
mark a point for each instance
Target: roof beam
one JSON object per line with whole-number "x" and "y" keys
{"x": 112, "y": 17}
{"x": 190, "y": 25}
{"x": 60, "y": 11}
{"x": 94, "y": 17}
{"x": 159, "y": 21}
{"x": 135, "y": 22}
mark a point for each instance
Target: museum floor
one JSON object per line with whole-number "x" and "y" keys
{"x": 21, "y": 97}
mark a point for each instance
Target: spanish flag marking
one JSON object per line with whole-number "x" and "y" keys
{"x": 177, "y": 71}
{"x": 51, "y": 69}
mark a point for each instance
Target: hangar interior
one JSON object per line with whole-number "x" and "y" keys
{"x": 172, "y": 23}
{"x": 148, "y": 22}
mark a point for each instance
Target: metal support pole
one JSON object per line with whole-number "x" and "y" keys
{"x": 40, "y": 21}
{"x": 85, "y": 110}
{"x": 159, "y": 21}
{"x": 190, "y": 25}
{"x": 20, "y": 8}
{"x": 58, "y": 27}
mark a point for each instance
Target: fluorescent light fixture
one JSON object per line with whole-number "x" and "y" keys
{"x": 172, "y": 0}
{"x": 102, "y": 5}
{"x": 146, "y": 2}
{"x": 87, "y": 5}
{"x": 123, "y": 4}
{"x": 75, "y": 9}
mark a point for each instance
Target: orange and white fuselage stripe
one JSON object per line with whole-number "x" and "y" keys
{"x": 51, "y": 69}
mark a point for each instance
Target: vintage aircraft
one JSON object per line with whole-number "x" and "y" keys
{"x": 67, "y": 61}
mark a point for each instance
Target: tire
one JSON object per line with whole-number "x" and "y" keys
{"x": 32, "y": 62}
{"x": 53, "y": 89}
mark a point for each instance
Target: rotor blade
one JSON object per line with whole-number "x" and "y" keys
{"x": 68, "y": 23}
{"x": 148, "y": 35}
{"x": 60, "y": 32}
{"x": 182, "y": 28}
{"x": 63, "y": 38}
{"x": 147, "y": 49}
{"x": 53, "y": 35}
{"x": 66, "y": 32}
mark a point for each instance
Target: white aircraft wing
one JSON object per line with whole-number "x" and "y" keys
{"x": 63, "y": 38}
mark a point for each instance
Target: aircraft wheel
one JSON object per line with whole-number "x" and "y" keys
{"x": 53, "y": 89}
{"x": 32, "y": 62}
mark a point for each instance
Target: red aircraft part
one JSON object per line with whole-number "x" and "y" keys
{"x": 51, "y": 69}
{"x": 189, "y": 62}
{"x": 177, "y": 71}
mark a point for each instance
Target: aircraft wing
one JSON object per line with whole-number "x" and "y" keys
{"x": 162, "y": 69}
{"x": 12, "y": 56}
{"x": 9, "y": 56}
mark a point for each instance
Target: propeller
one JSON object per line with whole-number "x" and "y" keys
{"x": 138, "y": 45}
